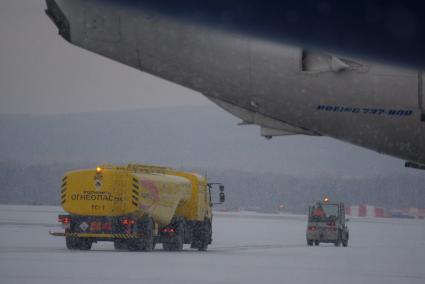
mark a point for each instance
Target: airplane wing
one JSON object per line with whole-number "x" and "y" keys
{"x": 269, "y": 126}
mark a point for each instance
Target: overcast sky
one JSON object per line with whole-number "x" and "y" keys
{"x": 40, "y": 73}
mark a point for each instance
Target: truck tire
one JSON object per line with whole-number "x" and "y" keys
{"x": 209, "y": 232}
{"x": 72, "y": 243}
{"x": 166, "y": 246}
{"x": 177, "y": 244}
{"x": 207, "y": 236}
{"x": 345, "y": 240}
{"x": 316, "y": 243}
{"x": 120, "y": 244}
{"x": 309, "y": 243}
{"x": 148, "y": 242}
{"x": 133, "y": 245}
{"x": 202, "y": 236}
{"x": 85, "y": 244}
{"x": 203, "y": 247}
{"x": 338, "y": 241}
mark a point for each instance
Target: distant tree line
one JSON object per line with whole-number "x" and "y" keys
{"x": 268, "y": 191}
{"x": 265, "y": 192}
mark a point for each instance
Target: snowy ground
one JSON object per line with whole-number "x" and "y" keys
{"x": 248, "y": 248}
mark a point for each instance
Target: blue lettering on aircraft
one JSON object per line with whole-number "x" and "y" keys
{"x": 370, "y": 111}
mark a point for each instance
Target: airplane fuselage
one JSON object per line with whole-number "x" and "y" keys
{"x": 284, "y": 89}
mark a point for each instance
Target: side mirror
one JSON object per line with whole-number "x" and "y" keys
{"x": 222, "y": 196}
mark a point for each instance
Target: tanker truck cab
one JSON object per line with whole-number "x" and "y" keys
{"x": 135, "y": 207}
{"x": 194, "y": 216}
{"x": 326, "y": 223}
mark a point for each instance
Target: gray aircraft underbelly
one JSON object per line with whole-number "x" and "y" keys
{"x": 285, "y": 90}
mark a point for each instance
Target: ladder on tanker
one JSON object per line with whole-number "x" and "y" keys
{"x": 119, "y": 185}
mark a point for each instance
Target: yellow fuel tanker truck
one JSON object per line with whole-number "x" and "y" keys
{"x": 137, "y": 206}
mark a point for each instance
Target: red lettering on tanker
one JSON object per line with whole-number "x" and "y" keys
{"x": 152, "y": 189}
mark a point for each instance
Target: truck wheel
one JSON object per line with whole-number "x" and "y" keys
{"x": 201, "y": 235}
{"x": 144, "y": 243}
{"x": 85, "y": 244}
{"x": 345, "y": 240}
{"x": 316, "y": 243}
{"x": 177, "y": 244}
{"x": 133, "y": 245}
{"x": 309, "y": 243}
{"x": 338, "y": 241}
{"x": 203, "y": 246}
{"x": 72, "y": 243}
{"x": 166, "y": 246}
{"x": 205, "y": 236}
{"x": 209, "y": 228}
{"x": 148, "y": 238}
{"x": 120, "y": 244}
